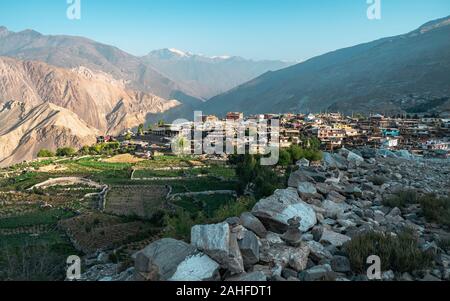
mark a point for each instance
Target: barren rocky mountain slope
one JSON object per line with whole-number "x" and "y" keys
{"x": 72, "y": 52}
{"x": 101, "y": 101}
{"x": 186, "y": 78}
{"x": 64, "y": 107}
{"x": 25, "y": 129}
{"x": 393, "y": 74}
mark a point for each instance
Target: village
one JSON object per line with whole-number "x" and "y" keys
{"x": 421, "y": 136}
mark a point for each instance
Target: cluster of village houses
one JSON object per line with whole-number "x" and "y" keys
{"x": 425, "y": 136}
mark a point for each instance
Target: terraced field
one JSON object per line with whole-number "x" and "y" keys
{"x": 135, "y": 201}
{"x": 63, "y": 220}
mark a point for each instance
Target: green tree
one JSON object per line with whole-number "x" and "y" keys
{"x": 296, "y": 152}
{"x": 285, "y": 158}
{"x": 66, "y": 152}
{"x": 140, "y": 130}
{"x": 84, "y": 151}
{"x": 45, "y": 153}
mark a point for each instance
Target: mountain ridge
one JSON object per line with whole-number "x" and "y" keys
{"x": 370, "y": 77}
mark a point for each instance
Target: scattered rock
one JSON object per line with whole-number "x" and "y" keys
{"x": 160, "y": 260}
{"x": 306, "y": 190}
{"x": 284, "y": 204}
{"x": 249, "y": 246}
{"x": 334, "y": 238}
{"x": 252, "y": 223}
{"x": 318, "y": 273}
{"x": 220, "y": 244}
{"x": 199, "y": 267}
{"x": 340, "y": 264}
{"x": 257, "y": 276}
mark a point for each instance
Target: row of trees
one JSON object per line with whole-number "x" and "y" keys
{"x": 107, "y": 148}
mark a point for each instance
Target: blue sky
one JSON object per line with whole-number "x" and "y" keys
{"x": 260, "y": 29}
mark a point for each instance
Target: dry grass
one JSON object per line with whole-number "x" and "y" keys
{"x": 125, "y": 158}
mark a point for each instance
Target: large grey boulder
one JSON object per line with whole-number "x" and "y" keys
{"x": 336, "y": 197}
{"x": 305, "y": 174}
{"x": 252, "y": 223}
{"x": 249, "y": 246}
{"x": 318, "y": 251}
{"x": 286, "y": 256}
{"x": 306, "y": 190}
{"x": 333, "y": 238}
{"x": 160, "y": 260}
{"x": 332, "y": 209}
{"x": 199, "y": 267}
{"x": 340, "y": 264}
{"x": 219, "y": 243}
{"x": 355, "y": 159}
{"x": 318, "y": 273}
{"x": 284, "y": 204}
{"x": 334, "y": 161}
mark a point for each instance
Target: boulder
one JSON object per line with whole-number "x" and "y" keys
{"x": 318, "y": 273}
{"x": 340, "y": 264}
{"x": 333, "y": 238}
{"x": 220, "y": 244}
{"x": 305, "y": 174}
{"x": 318, "y": 252}
{"x": 306, "y": 190}
{"x": 199, "y": 267}
{"x": 336, "y": 197}
{"x": 286, "y": 256}
{"x": 303, "y": 163}
{"x": 284, "y": 204}
{"x": 297, "y": 177}
{"x": 256, "y": 276}
{"x": 354, "y": 158}
{"x": 160, "y": 260}
{"x": 249, "y": 246}
{"x": 332, "y": 209}
{"x": 334, "y": 161}
{"x": 252, "y": 223}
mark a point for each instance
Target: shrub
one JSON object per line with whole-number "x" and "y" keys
{"x": 377, "y": 180}
{"x": 435, "y": 209}
{"x": 179, "y": 225}
{"x": 398, "y": 253}
{"x": 65, "y": 152}
{"x": 45, "y": 153}
{"x": 285, "y": 158}
{"x": 401, "y": 199}
{"x": 296, "y": 152}
{"x": 444, "y": 244}
{"x": 236, "y": 208}
{"x": 31, "y": 262}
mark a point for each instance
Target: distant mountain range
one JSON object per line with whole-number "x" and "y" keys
{"x": 208, "y": 76}
{"x": 168, "y": 74}
{"x": 406, "y": 73}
